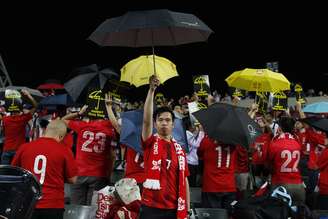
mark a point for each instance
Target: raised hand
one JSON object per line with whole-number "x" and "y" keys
{"x": 153, "y": 82}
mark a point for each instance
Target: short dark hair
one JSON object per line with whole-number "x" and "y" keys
{"x": 286, "y": 124}
{"x": 161, "y": 110}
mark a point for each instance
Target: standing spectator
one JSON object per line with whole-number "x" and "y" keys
{"x": 166, "y": 189}
{"x": 194, "y": 136}
{"x": 323, "y": 180}
{"x": 134, "y": 161}
{"x": 283, "y": 155}
{"x": 15, "y": 129}
{"x": 53, "y": 164}
{"x": 219, "y": 184}
{"x": 95, "y": 156}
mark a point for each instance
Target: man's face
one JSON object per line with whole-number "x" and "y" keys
{"x": 164, "y": 124}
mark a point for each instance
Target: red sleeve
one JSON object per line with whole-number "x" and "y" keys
{"x": 75, "y": 125}
{"x": 323, "y": 159}
{"x": 202, "y": 147}
{"x": 148, "y": 142}
{"x": 17, "y": 158}
{"x": 186, "y": 167}
{"x": 70, "y": 164}
{"x": 27, "y": 117}
{"x": 315, "y": 138}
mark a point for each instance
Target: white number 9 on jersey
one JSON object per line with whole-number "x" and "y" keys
{"x": 42, "y": 169}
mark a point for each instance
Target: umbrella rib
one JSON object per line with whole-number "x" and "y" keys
{"x": 173, "y": 37}
{"x": 136, "y": 38}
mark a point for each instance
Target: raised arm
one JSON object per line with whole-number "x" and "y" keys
{"x": 147, "y": 126}
{"x": 110, "y": 113}
{"x": 70, "y": 116}
{"x": 33, "y": 102}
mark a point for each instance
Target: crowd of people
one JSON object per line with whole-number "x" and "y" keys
{"x": 80, "y": 150}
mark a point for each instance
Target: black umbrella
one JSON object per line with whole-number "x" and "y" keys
{"x": 55, "y": 100}
{"x": 160, "y": 27}
{"x": 317, "y": 123}
{"x": 228, "y": 124}
{"x": 90, "y": 76}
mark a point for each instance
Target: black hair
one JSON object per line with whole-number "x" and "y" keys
{"x": 161, "y": 110}
{"x": 43, "y": 123}
{"x": 286, "y": 124}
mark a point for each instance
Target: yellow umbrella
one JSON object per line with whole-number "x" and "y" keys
{"x": 262, "y": 80}
{"x": 138, "y": 71}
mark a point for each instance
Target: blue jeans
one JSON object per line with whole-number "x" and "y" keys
{"x": 7, "y": 157}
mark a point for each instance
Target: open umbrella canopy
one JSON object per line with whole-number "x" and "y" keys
{"x": 262, "y": 80}
{"x": 61, "y": 99}
{"x": 51, "y": 84}
{"x": 90, "y": 76}
{"x": 36, "y": 94}
{"x": 318, "y": 107}
{"x": 159, "y": 27}
{"x": 138, "y": 71}
{"x": 318, "y": 123}
{"x": 228, "y": 124}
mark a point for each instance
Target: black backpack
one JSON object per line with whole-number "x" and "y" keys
{"x": 264, "y": 207}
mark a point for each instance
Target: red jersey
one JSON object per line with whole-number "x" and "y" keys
{"x": 167, "y": 196}
{"x": 302, "y": 137}
{"x": 68, "y": 140}
{"x": 323, "y": 167}
{"x": 316, "y": 140}
{"x": 284, "y": 154}
{"x": 242, "y": 160}
{"x": 134, "y": 165}
{"x": 219, "y": 166}
{"x": 52, "y": 163}
{"x": 260, "y": 147}
{"x": 93, "y": 146}
{"x": 14, "y": 130}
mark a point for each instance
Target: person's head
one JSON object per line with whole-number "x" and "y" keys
{"x": 56, "y": 129}
{"x": 298, "y": 125}
{"x": 268, "y": 117}
{"x": 177, "y": 108}
{"x": 164, "y": 120}
{"x": 286, "y": 124}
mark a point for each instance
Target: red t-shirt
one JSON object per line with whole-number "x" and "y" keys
{"x": 284, "y": 154}
{"x": 219, "y": 166}
{"x": 94, "y": 140}
{"x": 134, "y": 165}
{"x": 14, "y": 130}
{"x": 302, "y": 137}
{"x": 52, "y": 163}
{"x": 68, "y": 140}
{"x": 260, "y": 147}
{"x": 167, "y": 196}
{"x": 323, "y": 167}
{"x": 242, "y": 160}
{"x": 316, "y": 140}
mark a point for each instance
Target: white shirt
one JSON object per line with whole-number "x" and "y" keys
{"x": 193, "y": 142}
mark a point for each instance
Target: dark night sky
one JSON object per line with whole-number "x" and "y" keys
{"x": 49, "y": 41}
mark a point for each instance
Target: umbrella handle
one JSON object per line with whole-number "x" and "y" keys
{"x": 154, "y": 60}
